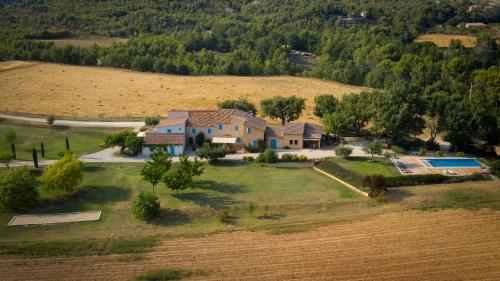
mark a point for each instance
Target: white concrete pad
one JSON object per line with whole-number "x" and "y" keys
{"x": 55, "y": 218}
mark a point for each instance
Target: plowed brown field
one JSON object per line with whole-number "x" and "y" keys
{"x": 78, "y": 91}
{"x": 412, "y": 245}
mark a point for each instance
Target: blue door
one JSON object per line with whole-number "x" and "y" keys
{"x": 171, "y": 149}
{"x": 274, "y": 143}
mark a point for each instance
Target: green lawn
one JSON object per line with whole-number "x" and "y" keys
{"x": 82, "y": 140}
{"x": 361, "y": 165}
{"x": 281, "y": 196}
{"x": 354, "y": 169}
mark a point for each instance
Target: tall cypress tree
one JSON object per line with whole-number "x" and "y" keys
{"x": 67, "y": 144}
{"x": 42, "y": 150}
{"x": 35, "y": 157}
{"x": 13, "y": 149}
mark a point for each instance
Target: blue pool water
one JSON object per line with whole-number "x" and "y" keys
{"x": 456, "y": 162}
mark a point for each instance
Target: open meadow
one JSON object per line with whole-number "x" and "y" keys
{"x": 443, "y": 40}
{"x": 93, "y": 92}
{"x": 303, "y": 225}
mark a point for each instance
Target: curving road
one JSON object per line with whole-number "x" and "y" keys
{"x": 75, "y": 123}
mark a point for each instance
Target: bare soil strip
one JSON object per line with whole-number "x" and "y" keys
{"x": 440, "y": 245}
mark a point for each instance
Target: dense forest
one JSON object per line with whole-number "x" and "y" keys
{"x": 360, "y": 42}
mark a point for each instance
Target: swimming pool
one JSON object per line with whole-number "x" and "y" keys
{"x": 453, "y": 163}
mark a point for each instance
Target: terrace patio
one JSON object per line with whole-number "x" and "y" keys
{"x": 413, "y": 165}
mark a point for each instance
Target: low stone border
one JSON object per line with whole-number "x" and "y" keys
{"x": 55, "y": 218}
{"x": 350, "y": 186}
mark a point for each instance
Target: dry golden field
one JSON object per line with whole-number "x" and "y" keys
{"x": 411, "y": 245}
{"x": 86, "y": 41}
{"x": 443, "y": 40}
{"x": 78, "y": 91}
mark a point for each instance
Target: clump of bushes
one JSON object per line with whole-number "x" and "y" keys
{"x": 248, "y": 159}
{"x": 65, "y": 174}
{"x": 495, "y": 168}
{"x": 211, "y": 153}
{"x": 460, "y": 154}
{"x": 287, "y": 157}
{"x": 375, "y": 185}
{"x": 343, "y": 151}
{"x": 422, "y": 152}
{"x": 146, "y": 206}
{"x": 268, "y": 156}
{"x": 152, "y": 121}
{"x": 439, "y": 153}
{"x": 431, "y": 179}
{"x": 397, "y": 149}
{"x": 259, "y": 147}
{"x": 18, "y": 189}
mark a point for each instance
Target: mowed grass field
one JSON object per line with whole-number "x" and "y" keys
{"x": 443, "y": 40}
{"x": 90, "y": 92}
{"x": 304, "y": 226}
{"x": 86, "y": 41}
{"x": 82, "y": 140}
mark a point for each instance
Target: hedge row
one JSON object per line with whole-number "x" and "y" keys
{"x": 342, "y": 173}
{"x": 357, "y": 179}
{"x": 432, "y": 179}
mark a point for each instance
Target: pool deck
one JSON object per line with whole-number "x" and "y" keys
{"x": 413, "y": 165}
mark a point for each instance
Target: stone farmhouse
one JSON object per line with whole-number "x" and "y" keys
{"x": 231, "y": 127}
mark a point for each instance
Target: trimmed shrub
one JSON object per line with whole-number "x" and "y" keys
{"x": 375, "y": 185}
{"x": 212, "y": 154}
{"x": 152, "y": 121}
{"x": 432, "y": 179}
{"x": 343, "y": 151}
{"x": 248, "y": 159}
{"x": 432, "y": 146}
{"x": 421, "y": 152}
{"x": 295, "y": 158}
{"x": 286, "y": 157}
{"x": 460, "y": 154}
{"x": 495, "y": 168}
{"x": 302, "y": 158}
{"x": 50, "y": 120}
{"x": 397, "y": 149}
{"x": 268, "y": 156}
{"x": 146, "y": 206}
{"x": 261, "y": 145}
{"x": 18, "y": 190}
{"x": 439, "y": 153}
{"x": 64, "y": 174}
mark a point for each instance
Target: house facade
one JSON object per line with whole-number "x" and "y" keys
{"x": 231, "y": 127}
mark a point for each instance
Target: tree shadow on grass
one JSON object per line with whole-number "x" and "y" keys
{"x": 271, "y": 217}
{"x": 227, "y": 163}
{"x": 171, "y": 217}
{"x": 398, "y": 195}
{"x": 89, "y": 194}
{"x": 218, "y": 186}
{"x": 201, "y": 199}
{"x": 92, "y": 168}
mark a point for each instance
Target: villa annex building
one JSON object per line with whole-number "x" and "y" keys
{"x": 231, "y": 127}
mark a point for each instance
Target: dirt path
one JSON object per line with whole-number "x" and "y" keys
{"x": 443, "y": 245}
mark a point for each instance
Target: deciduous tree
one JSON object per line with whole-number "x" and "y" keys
{"x": 286, "y": 109}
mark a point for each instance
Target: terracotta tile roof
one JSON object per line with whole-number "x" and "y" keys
{"x": 171, "y": 122}
{"x": 293, "y": 129}
{"x": 210, "y": 118}
{"x": 161, "y": 138}
{"x": 312, "y": 131}
{"x": 250, "y": 120}
{"x": 307, "y": 130}
{"x": 274, "y": 132}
